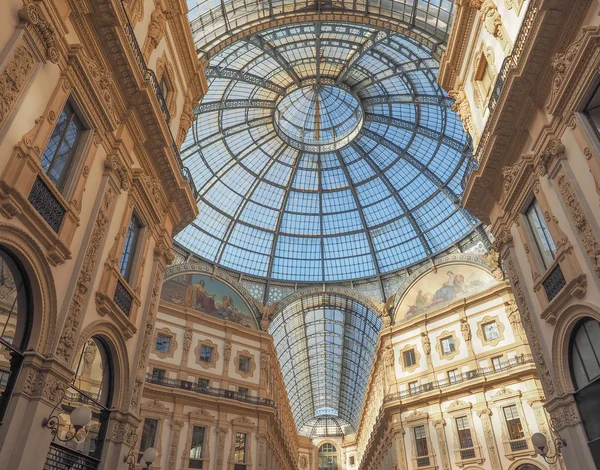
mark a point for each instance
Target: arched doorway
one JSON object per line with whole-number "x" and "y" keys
{"x": 328, "y": 457}
{"x": 584, "y": 362}
{"x": 14, "y": 323}
{"x": 527, "y": 466}
{"x": 92, "y": 387}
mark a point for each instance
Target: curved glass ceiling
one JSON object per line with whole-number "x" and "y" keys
{"x": 216, "y": 23}
{"x": 325, "y": 152}
{"x": 325, "y": 344}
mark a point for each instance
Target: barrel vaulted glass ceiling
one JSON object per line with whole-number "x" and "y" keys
{"x": 215, "y": 22}
{"x": 326, "y": 152}
{"x": 325, "y": 344}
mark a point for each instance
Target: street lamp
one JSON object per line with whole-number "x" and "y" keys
{"x": 540, "y": 444}
{"x": 80, "y": 417}
{"x": 148, "y": 457}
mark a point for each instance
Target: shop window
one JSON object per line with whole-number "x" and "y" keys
{"x": 585, "y": 370}
{"x": 14, "y": 324}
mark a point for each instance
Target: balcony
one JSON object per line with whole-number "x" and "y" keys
{"x": 150, "y": 77}
{"x": 210, "y": 391}
{"x": 464, "y": 377}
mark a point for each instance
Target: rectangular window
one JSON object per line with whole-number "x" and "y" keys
{"x": 203, "y": 383}
{"x": 163, "y": 343}
{"x": 351, "y": 460}
{"x": 240, "y": 448}
{"x": 244, "y": 364}
{"x": 453, "y": 376}
{"x": 447, "y": 345}
{"x": 464, "y": 432}
{"x": 242, "y": 392}
{"x": 409, "y": 358}
{"x": 541, "y": 234}
{"x": 158, "y": 374}
{"x": 197, "y": 449}
{"x": 421, "y": 441}
{"x": 498, "y": 363}
{"x": 148, "y": 435}
{"x": 128, "y": 253}
{"x": 206, "y": 353}
{"x": 62, "y": 147}
{"x": 513, "y": 422}
{"x": 490, "y": 331}
{"x": 413, "y": 387}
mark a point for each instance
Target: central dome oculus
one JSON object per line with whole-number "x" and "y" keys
{"x": 318, "y": 118}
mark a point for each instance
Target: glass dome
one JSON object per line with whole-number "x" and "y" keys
{"x": 325, "y": 152}
{"x": 318, "y": 118}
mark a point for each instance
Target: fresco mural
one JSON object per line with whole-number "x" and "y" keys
{"x": 208, "y": 296}
{"x": 436, "y": 289}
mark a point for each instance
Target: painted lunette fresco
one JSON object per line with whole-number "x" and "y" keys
{"x": 212, "y": 297}
{"x": 435, "y": 289}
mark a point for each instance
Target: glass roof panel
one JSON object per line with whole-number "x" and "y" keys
{"x": 329, "y": 383}
{"x": 326, "y": 152}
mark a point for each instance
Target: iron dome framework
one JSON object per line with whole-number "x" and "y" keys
{"x": 282, "y": 208}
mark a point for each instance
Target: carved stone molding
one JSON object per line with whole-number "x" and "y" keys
{"x": 490, "y": 439}
{"x": 14, "y": 79}
{"x": 176, "y": 431}
{"x": 586, "y": 234}
{"x": 147, "y": 338}
{"x": 68, "y": 338}
{"x": 529, "y": 327}
{"x": 31, "y": 14}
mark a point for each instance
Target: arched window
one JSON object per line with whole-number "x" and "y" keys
{"x": 527, "y": 466}
{"x": 585, "y": 370}
{"x": 328, "y": 457}
{"x": 91, "y": 387}
{"x": 14, "y": 324}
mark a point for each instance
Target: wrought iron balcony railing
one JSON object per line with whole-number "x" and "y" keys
{"x": 61, "y": 458}
{"x": 150, "y": 77}
{"x": 464, "y": 377}
{"x": 212, "y": 391}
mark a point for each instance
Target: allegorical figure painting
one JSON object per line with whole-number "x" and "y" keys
{"x": 436, "y": 289}
{"x": 208, "y": 296}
